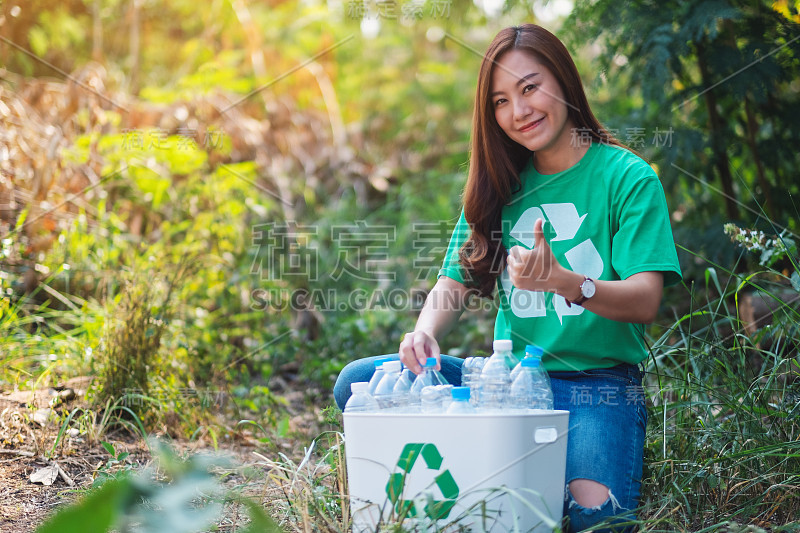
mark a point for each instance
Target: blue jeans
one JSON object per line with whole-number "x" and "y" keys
{"x": 607, "y": 419}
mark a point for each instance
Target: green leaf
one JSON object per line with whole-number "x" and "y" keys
{"x": 769, "y": 256}
{"x": 108, "y": 447}
{"x": 153, "y": 185}
{"x": 795, "y": 281}
{"x": 260, "y": 522}
{"x": 21, "y": 219}
{"x": 96, "y": 513}
{"x": 283, "y": 427}
{"x": 37, "y": 37}
{"x": 711, "y": 273}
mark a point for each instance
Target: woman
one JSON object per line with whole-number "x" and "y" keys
{"x": 573, "y": 230}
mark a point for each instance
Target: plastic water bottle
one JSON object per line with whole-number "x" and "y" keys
{"x": 470, "y": 376}
{"x": 428, "y": 377}
{"x": 495, "y": 378}
{"x": 531, "y": 389}
{"x": 537, "y": 352}
{"x": 360, "y": 400}
{"x": 378, "y": 374}
{"x": 461, "y": 402}
{"x": 511, "y": 359}
{"x": 446, "y": 395}
{"x": 384, "y": 393}
{"x": 402, "y": 389}
{"x": 466, "y": 371}
{"x": 530, "y": 351}
{"x": 431, "y": 400}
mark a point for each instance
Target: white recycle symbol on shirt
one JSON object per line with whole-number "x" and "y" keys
{"x": 582, "y": 258}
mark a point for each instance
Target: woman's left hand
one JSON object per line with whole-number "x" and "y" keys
{"x": 536, "y": 269}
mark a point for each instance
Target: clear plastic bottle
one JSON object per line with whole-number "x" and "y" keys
{"x": 470, "y": 376}
{"x": 531, "y": 389}
{"x": 538, "y": 353}
{"x": 384, "y": 393}
{"x": 531, "y": 350}
{"x": 360, "y": 400}
{"x": 511, "y": 359}
{"x": 429, "y": 376}
{"x": 461, "y": 402}
{"x": 495, "y": 378}
{"x": 475, "y": 389}
{"x": 431, "y": 400}
{"x": 402, "y": 389}
{"x": 466, "y": 371}
{"x": 446, "y": 395}
{"x": 378, "y": 374}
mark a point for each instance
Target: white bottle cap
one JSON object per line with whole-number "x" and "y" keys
{"x": 502, "y": 345}
{"x": 359, "y": 386}
{"x": 391, "y": 366}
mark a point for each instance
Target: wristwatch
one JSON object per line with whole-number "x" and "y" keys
{"x": 588, "y": 289}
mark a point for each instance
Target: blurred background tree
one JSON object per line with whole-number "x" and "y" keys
{"x": 715, "y": 87}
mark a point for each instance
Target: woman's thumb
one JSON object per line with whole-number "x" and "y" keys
{"x": 538, "y": 233}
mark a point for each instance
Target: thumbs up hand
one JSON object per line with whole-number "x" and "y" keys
{"x": 536, "y": 269}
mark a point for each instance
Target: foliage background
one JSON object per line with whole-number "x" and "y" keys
{"x": 172, "y": 173}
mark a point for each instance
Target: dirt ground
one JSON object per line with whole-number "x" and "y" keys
{"x": 30, "y": 424}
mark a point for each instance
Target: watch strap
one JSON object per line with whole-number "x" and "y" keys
{"x": 581, "y": 298}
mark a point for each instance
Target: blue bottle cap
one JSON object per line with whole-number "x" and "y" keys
{"x": 530, "y": 362}
{"x": 430, "y": 362}
{"x": 460, "y": 393}
{"x": 534, "y": 350}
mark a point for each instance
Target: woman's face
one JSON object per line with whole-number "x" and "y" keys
{"x": 528, "y": 103}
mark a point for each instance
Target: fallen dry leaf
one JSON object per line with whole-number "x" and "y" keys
{"x": 47, "y": 475}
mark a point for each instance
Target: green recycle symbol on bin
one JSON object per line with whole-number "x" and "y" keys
{"x": 432, "y": 459}
{"x": 582, "y": 257}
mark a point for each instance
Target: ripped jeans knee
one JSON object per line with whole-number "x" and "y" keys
{"x": 609, "y": 515}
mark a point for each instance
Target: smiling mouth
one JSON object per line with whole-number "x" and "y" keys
{"x": 530, "y": 126}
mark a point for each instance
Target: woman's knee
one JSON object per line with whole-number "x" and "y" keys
{"x": 589, "y": 504}
{"x": 354, "y": 371}
{"x": 588, "y": 493}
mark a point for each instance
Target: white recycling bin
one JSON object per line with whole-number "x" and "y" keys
{"x": 484, "y": 472}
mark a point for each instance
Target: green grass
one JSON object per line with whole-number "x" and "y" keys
{"x": 723, "y": 440}
{"x": 723, "y": 436}
{"x": 40, "y": 341}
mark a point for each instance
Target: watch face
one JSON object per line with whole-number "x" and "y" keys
{"x": 588, "y": 288}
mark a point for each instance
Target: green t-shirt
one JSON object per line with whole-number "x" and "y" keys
{"x": 605, "y": 217}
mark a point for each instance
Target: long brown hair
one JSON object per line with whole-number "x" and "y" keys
{"x": 496, "y": 161}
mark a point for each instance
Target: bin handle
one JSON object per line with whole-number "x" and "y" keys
{"x": 545, "y": 435}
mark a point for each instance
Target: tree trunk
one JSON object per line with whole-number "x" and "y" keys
{"x": 752, "y": 128}
{"x": 716, "y": 134}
